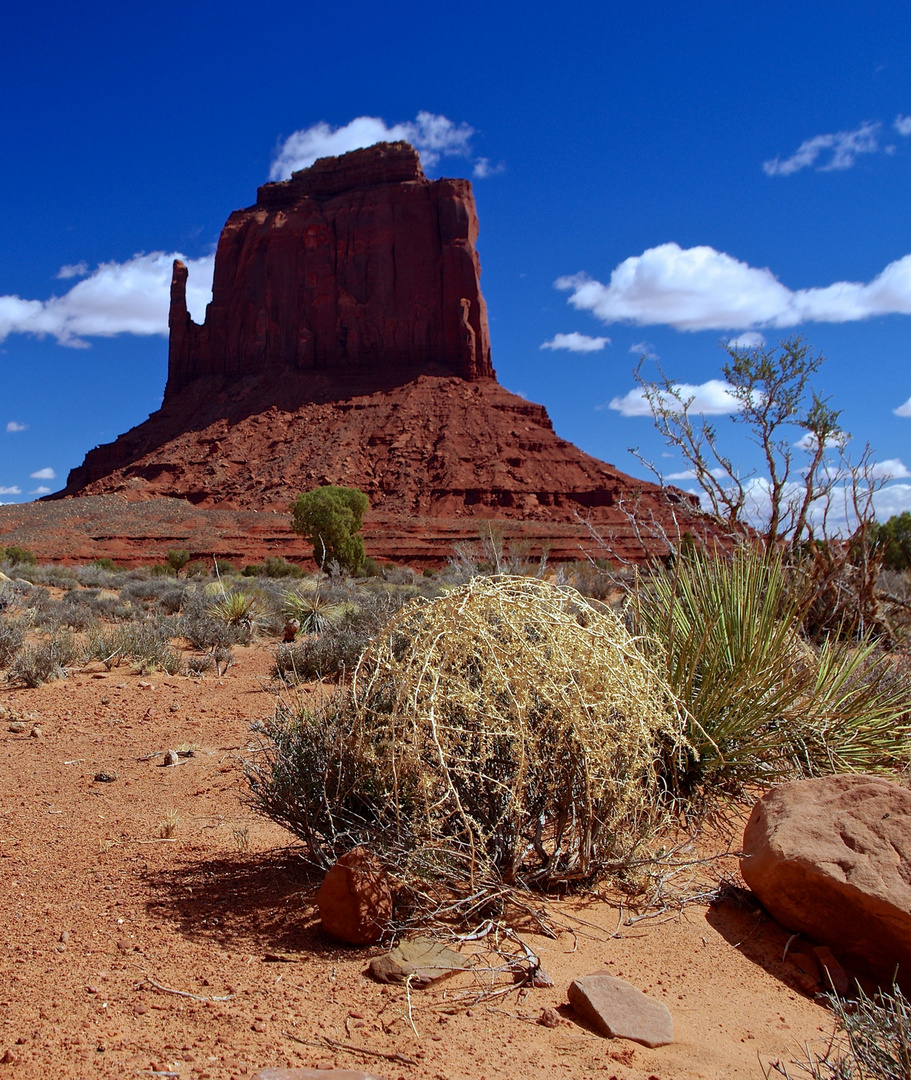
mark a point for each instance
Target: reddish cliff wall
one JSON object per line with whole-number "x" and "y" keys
{"x": 358, "y": 266}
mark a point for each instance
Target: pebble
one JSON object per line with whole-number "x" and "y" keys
{"x": 258, "y": 1025}
{"x": 17, "y": 727}
{"x": 140, "y": 1008}
{"x": 9, "y": 1058}
{"x": 35, "y": 733}
{"x": 171, "y": 758}
{"x": 549, "y": 1018}
{"x": 65, "y": 937}
{"x": 105, "y": 776}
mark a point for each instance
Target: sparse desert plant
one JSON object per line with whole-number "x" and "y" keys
{"x": 177, "y": 559}
{"x": 200, "y": 663}
{"x": 223, "y": 658}
{"x": 509, "y": 728}
{"x": 12, "y": 635}
{"x": 241, "y": 837}
{"x": 237, "y": 610}
{"x": 145, "y": 644}
{"x": 871, "y": 1042}
{"x": 762, "y": 704}
{"x": 167, "y": 827}
{"x": 40, "y": 663}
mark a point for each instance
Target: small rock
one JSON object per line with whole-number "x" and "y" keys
{"x": 17, "y": 727}
{"x": 420, "y": 962}
{"x": 549, "y": 1018}
{"x": 105, "y": 776}
{"x": 174, "y": 707}
{"x": 140, "y": 1008}
{"x": 145, "y": 685}
{"x": 65, "y": 937}
{"x": 354, "y": 900}
{"x": 258, "y": 1025}
{"x": 171, "y": 758}
{"x": 834, "y": 976}
{"x": 9, "y": 1058}
{"x": 105, "y": 701}
{"x": 618, "y": 1010}
{"x": 100, "y": 675}
{"x": 35, "y": 733}
{"x": 91, "y": 989}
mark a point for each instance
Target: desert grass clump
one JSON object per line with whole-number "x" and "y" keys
{"x": 506, "y": 732}
{"x": 40, "y": 663}
{"x": 872, "y": 1041}
{"x": 762, "y": 704}
{"x": 12, "y": 636}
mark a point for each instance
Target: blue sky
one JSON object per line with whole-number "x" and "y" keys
{"x": 686, "y": 173}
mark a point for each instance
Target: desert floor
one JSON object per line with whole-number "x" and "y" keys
{"x": 126, "y": 952}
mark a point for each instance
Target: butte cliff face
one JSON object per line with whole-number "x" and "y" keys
{"x": 357, "y": 267}
{"x": 347, "y": 343}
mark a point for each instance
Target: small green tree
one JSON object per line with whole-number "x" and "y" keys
{"x": 330, "y": 518}
{"x": 894, "y": 540}
{"x": 18, "y": 555}
{"x": 177, "y": 559}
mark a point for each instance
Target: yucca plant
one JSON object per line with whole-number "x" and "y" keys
{"x": 762, "y": 704}
{"x": 235, "y": 609}
{"x": 313, "y": 610}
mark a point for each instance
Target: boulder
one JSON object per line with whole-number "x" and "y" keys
{"x": 619, "y": 1010}
{"x": 831, "y": 858}
{"x": 354, "y": 900}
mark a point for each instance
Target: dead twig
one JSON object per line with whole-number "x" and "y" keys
{"x": 186, "y": 993}
{"x": 324, "y": 1042}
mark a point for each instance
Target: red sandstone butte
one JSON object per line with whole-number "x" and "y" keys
{"x": 347, "y": 343}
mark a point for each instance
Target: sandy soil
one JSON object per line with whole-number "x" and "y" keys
{"x": 104, "y": 920}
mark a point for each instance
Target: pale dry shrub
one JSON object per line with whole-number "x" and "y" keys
{"x": 507, "y": 732}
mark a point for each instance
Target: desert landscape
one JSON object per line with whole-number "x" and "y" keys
{"x": 344, "y": 651}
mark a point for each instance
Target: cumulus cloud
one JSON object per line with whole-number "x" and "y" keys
{"x": 752, "y": 339}
{"x": 712, "y": 398}
{"x": 483, "y": 168}
{"x": 79, "y": 269}
{"x": 130, "y": 297}
{"x": 10, "y": 491}
{"x": 903, "y": 410}
{"x": 643, "y": 349}
{"x": 808, "y": 442}
{"x": 903, "y": 125}
{"x": 891, "y": 500}
{"x": 574, "y": 342}
{"x": 13, "y": 425}
{"x": 837, "y": 151}
{"x": 41, "y": 490}
{"x": 700, "y": 288}
{"x": 43, "y": 474}
{"x": 431, "y": 135}
{"x": 890, "y": 469}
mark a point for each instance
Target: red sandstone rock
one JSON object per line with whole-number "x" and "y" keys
{"x": 358, "y": 265}
{"x": 831, "y": 858}
{"x": 354, "y": 900}
{"x": 619, "y": 1010}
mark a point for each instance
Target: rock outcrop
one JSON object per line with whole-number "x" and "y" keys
{"x": 358, "y": 266}
{"x": 347, "y": 343}
{"x": 831, "y": 858}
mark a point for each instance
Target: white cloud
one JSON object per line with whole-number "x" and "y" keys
{"x": 131, "y": 297}
{"x": 890, "y": 469}
{"x": 13, "y": 425}
{"x": 752, "y": 339}
{"x": 574, "y": 342}
{"x": 807, "y": 442}
{"x": 903, "y": 410}
{"x": 689, "y": 474}
{"x": 79, "y": 269}
{"x": 431, "y": 135}
{"x": 43, "y": 474}
{"x": 838, "y": 151}
{"x": 712, "y": 398}
{"x": 903, "y": 125}
{"x": 700, "y": 288}
{"x": 483, "y": 168}
{"x": 891, "y": 500}
{"x": 10, "y": 491}
{"x": 644, "y": 349}
{"x": 41, "y": 490}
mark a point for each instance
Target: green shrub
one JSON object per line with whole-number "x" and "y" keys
{"x": 104, "y": 564}
{"x": 273, "y": 567}
{"x": 18, "y": 556}
{"x": 330, "y": 518}
{"x": 177, "y": 559}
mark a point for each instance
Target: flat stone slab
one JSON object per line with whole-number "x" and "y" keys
{"x": 618, "y": 1010}
{"x": 421, "y": 960}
